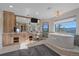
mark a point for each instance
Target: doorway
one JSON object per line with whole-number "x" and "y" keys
{"x": 45, "y": 29}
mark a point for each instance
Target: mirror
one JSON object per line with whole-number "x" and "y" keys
{"x": 22, "y": 23}
{"x": 25, "y": 25}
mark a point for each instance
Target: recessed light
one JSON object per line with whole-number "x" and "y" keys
{"x": 49, "y": 8}
{"x": 37, "y": 13}
{"x": 11, "y": 6}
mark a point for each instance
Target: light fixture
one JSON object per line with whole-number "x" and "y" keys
{"x": 57, "y": 13}
{"x": 49, "y": 8}
{"x": 11, "y": 6}
{"x": 37, "y": 13}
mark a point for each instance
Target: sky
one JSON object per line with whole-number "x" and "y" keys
{"x": 70, "y": 24}
{"x": 45, "y": 25}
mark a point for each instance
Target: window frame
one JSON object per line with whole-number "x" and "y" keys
{"x": 65, "y": 21}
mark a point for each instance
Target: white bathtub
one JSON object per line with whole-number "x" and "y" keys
{"x": 61, "y": 40}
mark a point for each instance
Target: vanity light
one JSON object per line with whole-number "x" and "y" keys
{"x": 17, "y": 30}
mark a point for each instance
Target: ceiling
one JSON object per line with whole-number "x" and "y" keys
{"x": 39, "y": 10}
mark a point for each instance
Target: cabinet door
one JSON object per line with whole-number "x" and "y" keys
{"x": 6, "y": 39}
{"x": 12, "y": 22}
{"x": 9, "y": 21}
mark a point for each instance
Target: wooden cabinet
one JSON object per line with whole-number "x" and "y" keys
{"x": 14, "y": 38}
{"x": 9, "y": 36}
{"x": 7, "y": 39}
{"x": 9, "y": 21}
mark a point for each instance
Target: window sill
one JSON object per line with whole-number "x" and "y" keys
{"x": 61, "y": 34}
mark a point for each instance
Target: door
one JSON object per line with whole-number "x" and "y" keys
{"x": 45, "y": 29}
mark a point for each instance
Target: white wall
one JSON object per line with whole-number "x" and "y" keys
{"x": 66, "y": 15}
{"x": 62, "y": 41}
{"x": 1, "y": 28}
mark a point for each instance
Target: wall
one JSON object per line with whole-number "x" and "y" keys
{"x": 1, "y": 28}
{"x": 65, "y": 42}
{"x": 31, "y": 26}
{"x": 67, "y": 15}
{"x": 51, "y": 24}
{"x": 22, "y": 20}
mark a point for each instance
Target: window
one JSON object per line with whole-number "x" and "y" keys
{"x": 45, "y": 27}
{"x": 68, "y": 26}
